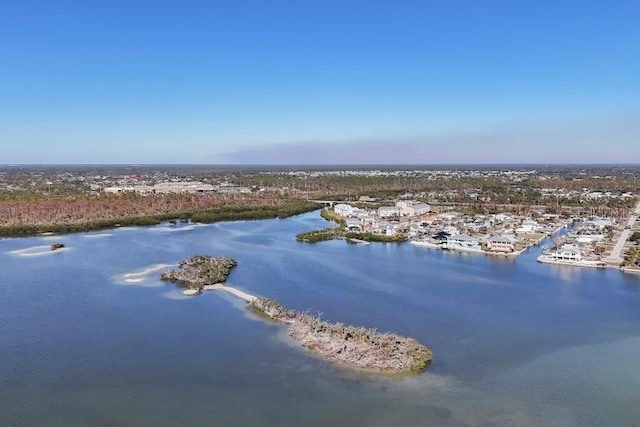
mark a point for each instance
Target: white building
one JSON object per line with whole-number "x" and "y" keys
{"x": 164, "y": 188}
{"x": 598, "y": 223}
{"x": 389, "y": 211}
{"x": 353, "y": 224}
{"x": 463, "y": 242}
{"x": 566, "y": 253}
{"x": 588, "y": 239}
{"x": 183, "y": 187}
{"x": 405, "y": 208}
{"x": 421, "y": 208}
{"x": 528, "y": 226}
{"x": 389, "y": 230}
{"x": 343, "y": 209}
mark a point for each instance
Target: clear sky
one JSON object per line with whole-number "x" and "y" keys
{"x": 326, "y": 81}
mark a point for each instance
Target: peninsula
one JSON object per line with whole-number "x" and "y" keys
{"x": 349, "y": 346}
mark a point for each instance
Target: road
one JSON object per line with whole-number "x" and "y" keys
{"x": 615, "y": 257}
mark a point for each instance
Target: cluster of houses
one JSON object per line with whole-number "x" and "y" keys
{"x": 501, "y": 233}
{"x": 585, "y": 243}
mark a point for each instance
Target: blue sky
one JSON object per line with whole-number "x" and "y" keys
{"x": 319, "y": 81}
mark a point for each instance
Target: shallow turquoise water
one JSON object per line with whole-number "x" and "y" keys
{"x": 515, "y": 342}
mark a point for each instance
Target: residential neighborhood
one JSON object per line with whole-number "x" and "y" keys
{"x": 577, "y": 241}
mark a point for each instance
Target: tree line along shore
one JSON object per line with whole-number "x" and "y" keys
{"x": 28, "y": 219}
{"x": 344, "y": 345}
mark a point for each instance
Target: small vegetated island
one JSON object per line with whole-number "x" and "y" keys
{"x": 349, "y": 346}
{"x": 201, "y": 270}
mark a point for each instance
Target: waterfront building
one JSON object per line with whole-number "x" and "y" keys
{"x": 501, "y": 243}
{"x": 386, "y": 229}
{"x": 463, "y": 242}
{"x": 566, "y": 253}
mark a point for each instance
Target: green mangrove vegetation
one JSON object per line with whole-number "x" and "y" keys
{"x": 224, "y": 213}
{"x": 330, "y": 215}
{"x": 316, "y": 236}
{"x": 200, "y": 270}
{"x": 232, "y": 213}
{"x": 376, "y": 237}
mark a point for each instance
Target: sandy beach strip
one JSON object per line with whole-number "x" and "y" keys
{"x": 36, "y": 251}
{"x": 148, "y": 270}
{"x": 237, "y": 292}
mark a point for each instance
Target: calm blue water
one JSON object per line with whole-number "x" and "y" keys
{"x": 515, "y": 342}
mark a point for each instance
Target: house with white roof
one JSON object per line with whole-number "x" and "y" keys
{"x": 528, "y": 226}
{"x": 463, "y": 242}
{"x": 343, "y": 209}
{"x": 421, "y": 208}
{"x": 598, "y": 223}
{"x": 389, "y": 211}
{"x": 566, "y": 253}
{"x": 389, "y": 230}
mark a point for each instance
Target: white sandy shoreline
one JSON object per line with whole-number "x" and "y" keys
{"x": 37, "y": 251}
{"x": 237, "y": 292}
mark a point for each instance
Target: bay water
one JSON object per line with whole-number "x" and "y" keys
{"x": 91, "y": 336}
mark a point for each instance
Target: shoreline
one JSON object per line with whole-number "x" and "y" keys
{"x": 439, "y": 246}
